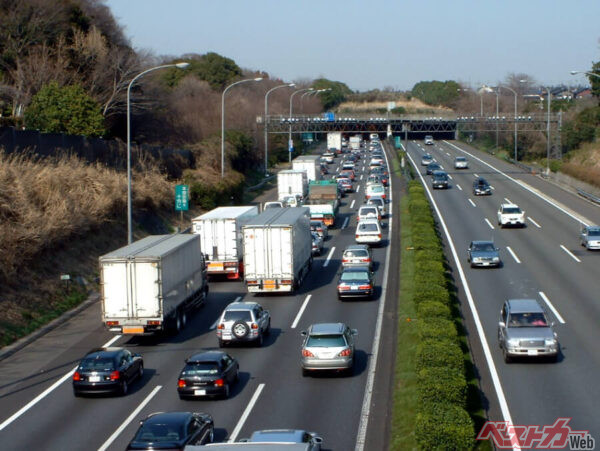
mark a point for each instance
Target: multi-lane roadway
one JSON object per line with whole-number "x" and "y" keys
{"x": 38, "y": 409}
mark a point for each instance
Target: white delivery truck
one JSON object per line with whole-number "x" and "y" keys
{"x": 277, "y": 250}
{"x": 334, "y": 141}
{"x": 355, "y": 142}
{"x": 291, "y": 183}
{"x": 220, "y": 233}
{"x": 309, "y": 163}
{"x": 151, "y": 286}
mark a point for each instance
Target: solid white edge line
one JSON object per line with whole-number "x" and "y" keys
{"x": 115, "y": 434}
{"x": 570, "y": 253}
{"x": 328, "y": 257}
{"x": 352, "y": 203}
{"x": 301, "y": 311}
{"x": 513, "y": 254}
{"x": 459, "y": 187}
{"x": 484, "y": 343}
{"x": 534, "y": 223}
{"x": 345, "y": 223}
{"x": 361, "y": 436}
{"x": 521, "y": 184}
{"x": 246, "y": 414}
{"x": 547, "y": 301}
{"x": 472, "y": 203}
{"x": 489, "y": 223}
{"x": 46, "y": 392}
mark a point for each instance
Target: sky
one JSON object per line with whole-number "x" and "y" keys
{"x": 373, "y": 44}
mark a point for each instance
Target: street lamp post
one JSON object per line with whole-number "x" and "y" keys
{"x": 548, "y": 133}
{"x": 515, "y": 93}
{"x": 591, "y": 74}
{"x": 288, "y": 85}
{"x": 129, "y": 202}
{"x": 290, "y": 119}
{"x": 310, "y": 93}
{"x": 223, "y": 119}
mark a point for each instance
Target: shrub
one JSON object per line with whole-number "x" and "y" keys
{"x": 424, "y": 279}
{"x": 444, "y": 426}
{"x": 436, "y": 328}
{"x": 430, "y": 266}
{"x": 442, "y": 385}
{"x": 431, "y": 292}
{"x": 433, "y": 353}
{"x": 433, "y": 309}
{"x": 426, "y": 240}
{"x": 423, "y": 255}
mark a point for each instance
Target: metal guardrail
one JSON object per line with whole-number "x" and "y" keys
{"x": 252, "y": 188}
{"x": 588, "y": 196}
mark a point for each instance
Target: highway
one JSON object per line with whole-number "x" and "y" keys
{"x": 38, "y": 409}
{"x": 543, "y": 261}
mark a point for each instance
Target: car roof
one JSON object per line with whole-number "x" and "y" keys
{"x": 369, "y": 221}
{"x": 427, "y": 155}
{"x": 524, "y": 306}
{"x": 480, "y": 180}
{"x": 103, "y": 352}
{"x": 439, "y": 173}
{"x": 327, "y": 328}
{"x": 509, "y": 205}
{"x": 460, "y": 158}
{"x": 206, "y": 356}
{"x": 168, "y": 417}
{"x": 241, "y": 305}
{"x": 355, "y": 247}
{"x": 367, "y": 206}
{"x": 279, "y": 435}
{"x": 360, "y": 268}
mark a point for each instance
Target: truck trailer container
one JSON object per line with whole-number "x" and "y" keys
{"x": 220, "y": 233}
{"x": 151, "y": 286}
{"x": 355, "y": 142}
{"x": 309, "y": 163}
{"x": 277, "y": 250}
{"x": 323, "y": 201}
{"x": 291, "y": 183}
{"x": 334, "y": 141}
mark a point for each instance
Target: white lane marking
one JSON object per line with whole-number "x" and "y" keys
{"x": 441, "y": 167}
{"x": 301, "y": 311}
{"x": 507, "y": 200}
{"x": 472, "y": 203}
{"x": 449, "y": 176}
{"x": 513, "y": 254}
{"x": 358, "y": 189}
{"x": 361, "y": 176}
{"x": 459, "y": 187}
{"x": 547, "y": 301}
{"x": 534, "y": 223}
{"x": 352, "y": 203}
{"x": 476, "y": 176}
{"x": 489, "y": 223}
{"x": 524, "y": 185}
{"x": 46, "y": 392}
{"x": 345, "y": 223}
{"x": 446, "y": 153}
{"x": 246, "y": 414}
{"x": 129, "y": 419}
{"x": 570, "y": 253}
{"x": 328, "y": 257}
{"x": 366, "y": 406}
{"x": 214, "y": 325}
{"x": 480, "y": 332}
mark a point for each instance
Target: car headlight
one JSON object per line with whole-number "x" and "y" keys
{"x": 513, "y": 342}
{"x": 496, "y": 259}
{"x": 550, "y": 342}
{"x": 476, "y": 259}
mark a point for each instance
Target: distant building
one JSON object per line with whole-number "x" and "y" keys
{"x": 583, "y": 93}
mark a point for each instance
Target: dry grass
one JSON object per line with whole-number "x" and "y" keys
{"x": 584, "y": 164}
{"x": 413, "y": 105}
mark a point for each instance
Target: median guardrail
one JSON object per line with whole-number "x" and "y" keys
{"x": 588, "y": 196}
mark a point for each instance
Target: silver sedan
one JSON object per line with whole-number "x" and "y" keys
{"x": 328, "y": 346}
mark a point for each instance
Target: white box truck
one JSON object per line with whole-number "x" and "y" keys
{"x": 220, "y": 233}
{"x": 152, "y": 285}
{"x": 309, "y": 163}
{"x": 334, "y": 141}
{"x": 277, "y": 250}
{"x": 355, "y": 142}
{"x": 291, "y": 183}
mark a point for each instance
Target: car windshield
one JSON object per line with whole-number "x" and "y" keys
{"x": 376, "y": 188}
{"x": 356, "y": 253}
{"x": 368, "y": 211}
{"x": 511, "y": 210}
{"x": 354, "y": 276}
{"x": 483, "y": 247}
{"x": 440, "y": 176}
{"x": 461, "y": 159}
{"x": 326, "y": 341}
{"x": 160, "y": 433}
{"x": 594, "y": 232}
{"x": 368, "y": 227}
{"x": 237, "y": 315}
{"x": 481, "y": 183}
{"x": 200, "y": 369}
{"x": 536, "y": 319}
{"x": 97, "y": 365}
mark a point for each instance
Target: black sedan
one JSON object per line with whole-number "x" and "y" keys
{"x": 355, "y": 281}
{"x": 107, "y": 370}
{"x": 481, "y": 187}
{"x": 433, "y": 167}
{"x": 173, "y": 430}
{"x": 208, "y": 373}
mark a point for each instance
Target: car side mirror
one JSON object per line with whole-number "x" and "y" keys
{"x": 354, "y": 332}
{"x": 303, "y": 333}
{"x": 318, "y": 440}
{"x": 502, "y": 324}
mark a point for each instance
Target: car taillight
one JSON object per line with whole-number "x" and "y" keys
{"x": 115, "y": 376}
{"x": 286, "y": 282}
{"x": 229, "y": 264}
{"x": 254, "y": 326}
{"x": 379, "y": 235}
{"x": 345, "y": 353}
{"x": 366, "y": 260}
{"x": 181, "y": 383}
{"x": 307, "y": 353}
{"x": 343, "y": 287}
{"x": 221, "y": 326}
{"x": 345, "y": 260}
{"x": 219, "y": 383}
{"x": 112, "y": 323}
{"x": 364, "y": 287}
{"x": 153, "y": 323}
{"x": 356, "y": 236}
{"x": 76, "y": 376}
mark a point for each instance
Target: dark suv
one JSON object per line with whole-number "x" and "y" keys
{"x": 481, "y": 187}
{"x": 107, "y": 370}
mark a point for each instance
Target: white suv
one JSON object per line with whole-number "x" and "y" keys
{"x": 368, "y": 231}
{"x": 243, "y": 321}
{"x": 510, "y": 214}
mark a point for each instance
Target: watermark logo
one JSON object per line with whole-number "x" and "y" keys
{"x": 556, "y": 436}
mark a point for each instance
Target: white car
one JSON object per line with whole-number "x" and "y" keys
{"x": 368, "y": 212}
{"x": 461, "y": 163}
{"x": 590, "y": 237}
{"x": 379, "y": 203}
{"x": 375, "y": 190}
{"x": 348, "y": 164}
{"x": 511, "y": 214}
{"x": 368, "y": 231}
{"x": 429, "y": 140}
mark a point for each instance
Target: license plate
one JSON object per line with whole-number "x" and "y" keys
{"x": 215, "y": 266}
{"x": 199, "y": 392}
{"x": 269, "y": 284}
{"x": 532, "y": 352}
{"x": 486, "y": 263}
{"x": 354, "y": 287}
{"x": 94, "y": 378}
{"x": 133, "y": 330}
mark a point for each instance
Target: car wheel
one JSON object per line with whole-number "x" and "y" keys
{"x": 268, "y": 330}
{"x": 124, "y": 388}
{"x": 140, "y": 371}
{"x": 221, "y": 343}
{"x": 76, "y": 394}
{"x": 507, "y": 358}
{"x": 259, "y": 340}
{"x": 226, "y": 392}
{"x": 240, "y": 329}
{"x": 183, "y": 398}
{"x": 211, "y": 436}
{"x": 304, "y": 372}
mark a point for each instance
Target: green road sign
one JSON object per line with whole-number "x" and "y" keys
{"x": 181, "y": 197}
